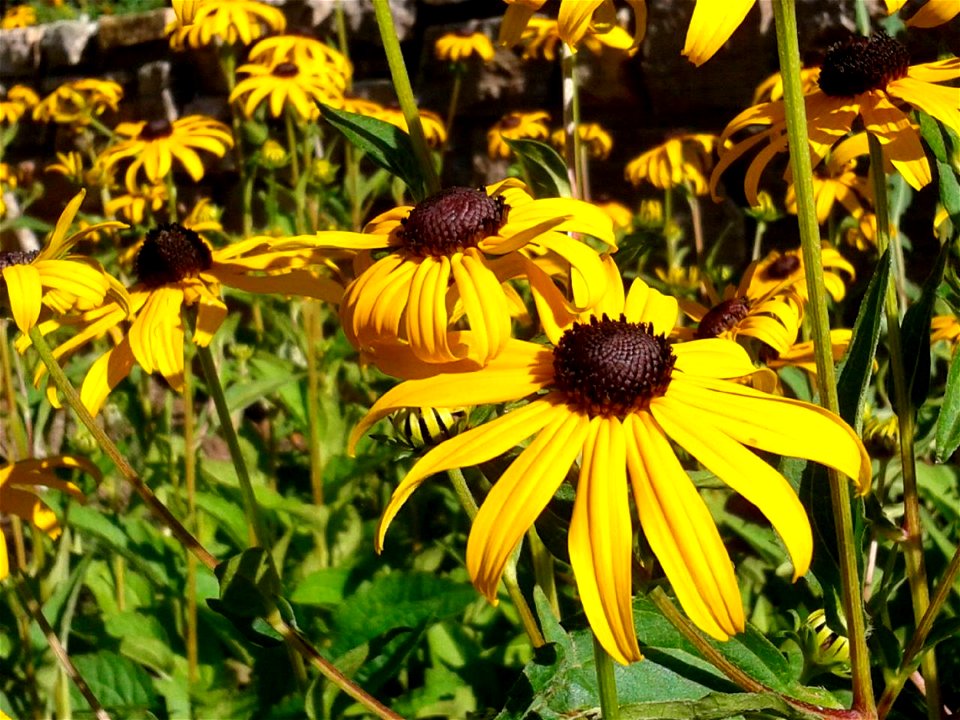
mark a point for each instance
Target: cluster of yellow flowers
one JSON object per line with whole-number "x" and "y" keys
{"x": 429, "y": 293}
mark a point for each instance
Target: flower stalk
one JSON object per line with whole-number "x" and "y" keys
{"x": 913, "y": 534}
{"x": 401, "y": 84}
{"x": 571, "y": 122}
{"x": 606, "y": 682}
{"x": 785, "y": 18}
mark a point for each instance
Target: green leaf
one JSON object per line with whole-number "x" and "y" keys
{"x": 142, "y": 639}
{"x": 949, "y": 190}
{"x": 915, "y": 335}
{"x": 398, "y": 600}
{"x": 545, "y": 169}
{"x": 323, "y": 587}
{"x": 948, "y": 421}
{"x": 930, "y": 130}
{"x": 249, "y": 591}
{"x": 386, "y": 145}
{"x": 121, "y": 685}
{"x": 715, "y": 706}
{"x": 857, "y": 366}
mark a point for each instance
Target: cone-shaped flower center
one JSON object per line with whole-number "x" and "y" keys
{"x": 510, "y": 122}
{"x": 782, "y": 268}
{"x": 285, "y": 70}
{"x": 156, "y": 129}
{"x": 171, "y": 253}
{"x": 722, "y": 317}
{"x": 17, "y": 257}
{"x": 612, "y": 367}
{"x": 859, "y": 64}
{"x": 452, "y": 220}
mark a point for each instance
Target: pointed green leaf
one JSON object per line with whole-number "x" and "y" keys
{"x": 948, "y": 422}
{"x": 857, "y": 365}
{"x": 386, "y": 145}
{"x": 545, "y": 169}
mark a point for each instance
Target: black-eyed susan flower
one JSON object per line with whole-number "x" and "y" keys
{"x": 836, "y": 181}
{"x": 284, "y": 84}
{"x": 18, "y": 16}
{"x": 456, "y": 47}
{"x": 595, "y": 139}
{"x": 52, "y": 278}
{"x": 577, "y": 20}
{"x": 451, "y": 254}
{"x": 154, "y": 145}
{"x": 780, "y": 269}
{"x": 433, "y": 128}
{"x": 71, "y": 165}
{"x": 15, "y": 102}
{"x": 516, "y": 126}
{"x": 615, "y": 393}
{"x": 177, "y": 269}
{"x": 768, "y": 312}
{"x": 78, "y": 102}
{"x": 682, "y": 160}
{"x": 866, "y": 78}
{"x": 305, "y": 52}
{"x": 20, "y": 493}
{"x": 224, "y": 21}
{"x": 133, "y": 206}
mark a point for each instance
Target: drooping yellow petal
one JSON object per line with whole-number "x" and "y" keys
{"x": 426, "y": 320}
{"x": 901, "y": 143}
{"x": 521, "y": 493}
{"x": 104, "y": 375}
{"x": 742, "y": 470}
{"x": 713, "y": 357}
{"x": 601, "y": 540}
{"x": 647, "y": 304}
{"x": 574, "y": 18}
{"x": 485, "y": 304}
{"x": 500, "y": 382}
{"x": 25, "y": 293}
{"x": 469, "y": 448}
{"x": 933, "y": 13}
{"x": 712, "y": 24}
{"x": 778, "y": 425}
{"x": 681, "y": 532}
{"x": 938, "y": 100}
{"x": 211, "y": 312}
{"x": 57, "y": 246}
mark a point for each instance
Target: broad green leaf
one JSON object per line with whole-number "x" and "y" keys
{"x": 949, "y": 190}
{"x": 142, "y": 639}
{"x": 930, "y": 130}
{"x": 386, "y": 145}
{"x": 716, "y": 706}
{"x": 857, "y": 366}
{"x": 249, "y": 591}
{"x": 323, "y": 587}
{"x": 544, "y": 168}
{"x": 948, "y": 421}
{"x": 400, "y": 600}
{"x": 121, "y": 685}
{"x": 915, "y": 335}
{"x": 228, "y": 514}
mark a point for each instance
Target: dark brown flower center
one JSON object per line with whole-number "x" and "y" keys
{"x": 722, "y": 317}
{"x": 510, "y": 122}
{"x": 285, "y": 70}
{"x": 17, "y": 257}
{"x": 171, "y": 253}
{"x": 782, "y": 268}
{"x": 612, "y": 367}
{"x": 452, "y": 220}
{"x": 465, "y": 32}
{"x": 858, "y": 64}
{"x": 156, "y": 129}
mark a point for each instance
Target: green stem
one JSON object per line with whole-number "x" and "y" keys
{"x": 758, "y": 239}
{"x": 250, "y": 507}
{"x": 785, "y": 17}
{"x": 458, "y": 71}
{"x": 72, "y": 398}
{"x": 696, "y": 219}
{"x": 314, "y": 338}
{"x": 543, "y": 569}
{"x": 527, "y": 617}
{"x": 571, "y": 121}
{"x": 606, "y": 683}
{"x": 69, "y": 669}
{"x": 9, "y": 389}
{"x": 401, "y": 84}
{"x": 908, "y": 664}
{"x": 190, "y": 480}
{"x": 913, "y": 534}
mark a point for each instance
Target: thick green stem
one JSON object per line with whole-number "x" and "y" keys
{"x": 527, "y": 617}
{"x": 458, "y": 72}
{"x": 571, "y": 121}
{"x": 15, "y": 423}
{"x": 314, "y": 338}
{"x": 190, "y": 480}
{"x": 401, "y": 84}
{"x": 250, "y": 507}
{"x": 913, "y": 535}
{"x": 908, "y": 664}
{"x": 606, "y": 683}
{"x": 789, "y": 53}
{"x": 72, "y": 398}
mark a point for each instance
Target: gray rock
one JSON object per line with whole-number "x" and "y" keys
{"x": 64, "y": 43}
{"x": 126, "y": 30}
{"x": 20, "y": 51}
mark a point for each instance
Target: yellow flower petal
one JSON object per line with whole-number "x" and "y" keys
{"x": 25, "y": 292}
{"x": 104, "y": 375}
{"x": 469, "y": 448}
{"x": 601, "y": 540}
{"x": 646, "y": 304}
{"x": 681, "y": 532}
{"x": 713, "y": 357}
{"x": 485, "y": 304}
{"x": 712, "y": 24}
{"x": 57, "y": 246}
